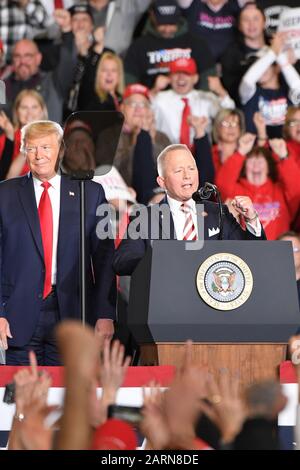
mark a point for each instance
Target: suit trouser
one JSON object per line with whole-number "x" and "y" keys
{"x": 42, "y": 341}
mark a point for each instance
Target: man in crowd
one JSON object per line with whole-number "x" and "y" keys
{"x": 166, "y": 39}
{"x": 53, "y": 86}
{"x": 39, "y": 252}
{"x": 173, "y": 108}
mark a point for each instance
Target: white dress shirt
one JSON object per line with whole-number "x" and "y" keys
{"x": 54, "y": 194}
{"x": 168, "y": 107}
{"x": 179, "y": 218}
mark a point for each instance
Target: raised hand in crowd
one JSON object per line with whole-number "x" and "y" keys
{"x": 225, "y": 407}
{"x": 111, "y": 374}
{"x": 98, "y": 35}
{"x": 83, "y": 42}
{"x": 63, "y": 19}
{"x": 279, "y": 147}
{"x": 260, "y": 125}
{"x": 29, "y": 431}
{"x": 154, "y": 425}
{"x": 147, "y": 122}
{"x": 215, "y": 85}
{"x": 113, "y": 369}
{"x": 277, "y": 42}
{"x": 7, "y": 126}
{"x": 246, "y": 143}
{"x": 199, "y": 123}
{"x": 161, "y": 83}
{"x": 80, "y": 351}
{"x": 182, "y": 402}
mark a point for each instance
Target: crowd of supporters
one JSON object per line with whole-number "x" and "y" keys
{"x": 215, "y": 75}
{"x": 172, "y": 68}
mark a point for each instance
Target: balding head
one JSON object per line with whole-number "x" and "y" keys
{"x": 26, "y": 59}
{"x": 178, "y": 173}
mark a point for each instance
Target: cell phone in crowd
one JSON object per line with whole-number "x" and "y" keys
{"x": 9, "y": 394}
{"x": 130, "y": 414}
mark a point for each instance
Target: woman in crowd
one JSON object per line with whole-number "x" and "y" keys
{"x": 29, "y": 106}
{"x": 109, "y": 84}
{"x": 229, "y": 126}
{"x": 271, "y": 181}
{"x": 291, "y": 131}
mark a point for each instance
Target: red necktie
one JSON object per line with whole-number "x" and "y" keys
{"x": 185, "y": 128}
{"x": 46, "y": 223}
{"x": 189, "y": 230}
{"x": 58, "y": 4}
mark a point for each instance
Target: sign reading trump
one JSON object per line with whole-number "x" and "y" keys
{"x": 289, "y": 23}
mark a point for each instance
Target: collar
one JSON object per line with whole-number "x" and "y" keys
{"x": 55, "y": 182}
{"x": 176, "y": 205}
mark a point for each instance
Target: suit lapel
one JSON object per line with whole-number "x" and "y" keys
{"x": 170, "y": 229}
{"x": 28, "y": 201}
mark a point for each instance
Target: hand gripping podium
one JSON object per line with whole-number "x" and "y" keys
{"x": 258, "y": 292}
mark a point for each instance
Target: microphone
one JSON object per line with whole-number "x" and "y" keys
{"x": 205, "y": 192}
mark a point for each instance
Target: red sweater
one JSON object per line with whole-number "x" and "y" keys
{"x": 294, "y": 150}
{"x": 276, "y": 203}
{"x": 17, "y": 143}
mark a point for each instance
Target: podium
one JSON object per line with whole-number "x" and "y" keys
{"x": 165, "y": 308}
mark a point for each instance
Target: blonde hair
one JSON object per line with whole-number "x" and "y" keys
{"x": 161, "y": 159}
{"x": 38, "y": 129}
{"x": 224, "y": 114}
{"x": 120, "y": 87}
{"x": 24, "y": 93}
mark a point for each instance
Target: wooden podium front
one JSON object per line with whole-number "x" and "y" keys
{"x": 252, "y": 362}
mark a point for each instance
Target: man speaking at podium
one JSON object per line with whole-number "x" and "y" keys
{"x": 178, "y": 176}
{"x": 39, "y": 252}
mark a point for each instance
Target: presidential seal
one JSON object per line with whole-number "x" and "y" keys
{"x": 224, "y": 281}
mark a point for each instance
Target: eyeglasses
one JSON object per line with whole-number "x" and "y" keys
{"x": 137, "y": 104}
{"x": 32, "y": 150}
{"x": 230, "y": 124}
{"x": 294, "y": 123}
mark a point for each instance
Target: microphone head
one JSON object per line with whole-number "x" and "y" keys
{"x": 196, "y": 196}
{"x": 114, "y": 434}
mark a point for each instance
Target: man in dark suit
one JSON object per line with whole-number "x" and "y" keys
{"x": 39, "y": 252}
{"x": 176, "y": 216}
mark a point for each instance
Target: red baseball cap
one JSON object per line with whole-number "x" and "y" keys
{"x": 183, "y": 65}
{"x": 136, "y": 88}
{"x": 114, "y": 434}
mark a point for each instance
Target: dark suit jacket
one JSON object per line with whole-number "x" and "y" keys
{"x": 22, "y": 264}
{"x": 130, "y": 251}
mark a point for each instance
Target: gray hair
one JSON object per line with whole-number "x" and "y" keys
{"x": 38, "y": 129}
{"x": 163, "y": 154}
